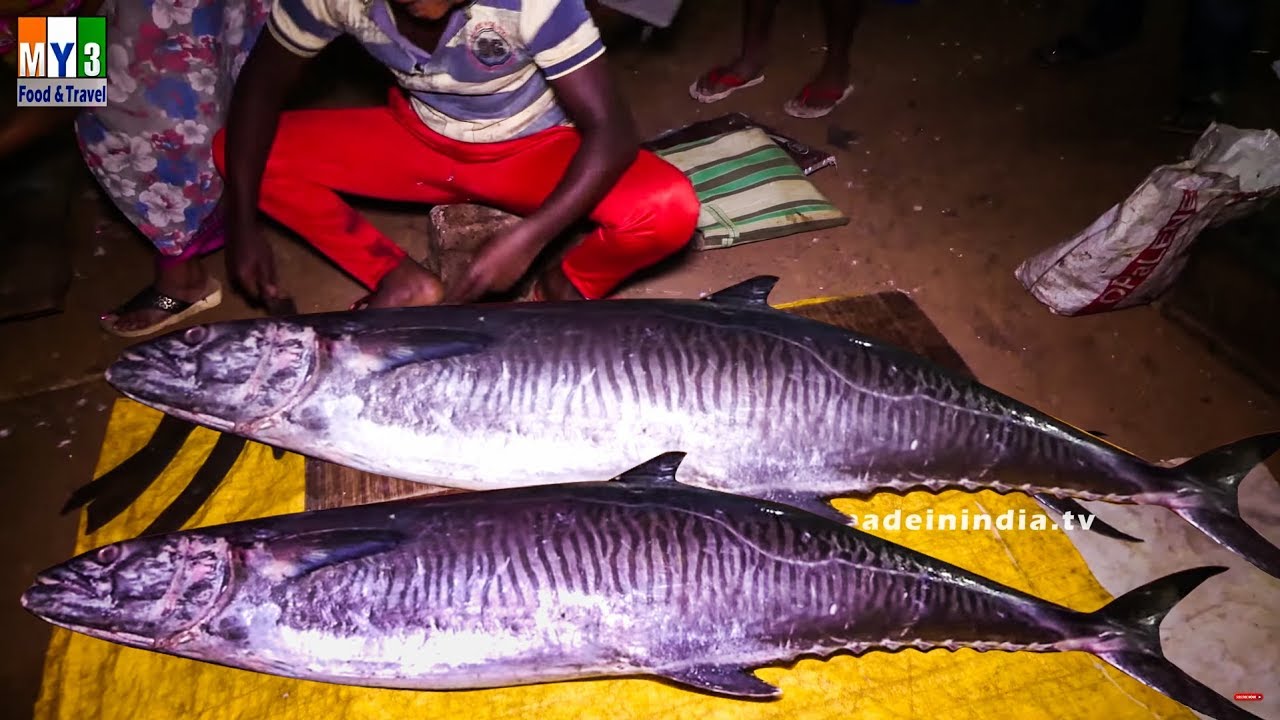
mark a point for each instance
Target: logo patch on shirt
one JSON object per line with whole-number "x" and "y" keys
{"x": 490, "y": 46}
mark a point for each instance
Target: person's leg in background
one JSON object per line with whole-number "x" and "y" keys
{"x": 818, "y": 97}
{"x": 1215, "y": 49}
{"x": 1109, "y": 25}
{"x": 753, "y": 53}
{"x": 831, "y": 85}
{"x": 150, "y": 148}
{"x": 365, "y": 152}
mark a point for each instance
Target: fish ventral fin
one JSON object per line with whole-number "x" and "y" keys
{"x": 750, "y": 293}
{"x": 1064, "y": 505}
{"x": 386, "y": 350}
{"x": 726, "y": 680}
{"x": 660, "y": 470}
{"x": 292, "y": 556}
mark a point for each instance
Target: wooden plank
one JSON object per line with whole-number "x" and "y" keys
{"x": 892, "y": 317}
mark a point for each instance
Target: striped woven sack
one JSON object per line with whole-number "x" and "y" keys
{"x": 750, "y": 190}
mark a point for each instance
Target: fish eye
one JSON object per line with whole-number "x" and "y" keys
{"x": 108, "y": 555}
{"x": 196, "y": 335}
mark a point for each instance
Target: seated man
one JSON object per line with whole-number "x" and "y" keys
{"x": 506, "y": 103}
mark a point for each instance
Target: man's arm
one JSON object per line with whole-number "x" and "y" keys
{"x": 296, "y": 31}
{"x": 252, "y": 119}
{"x": 256, "y": 103}
{"x": 609, "y": 146}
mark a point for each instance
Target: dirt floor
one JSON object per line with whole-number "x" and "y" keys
{"x": 968, "y": 158}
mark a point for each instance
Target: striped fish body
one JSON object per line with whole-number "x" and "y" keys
{"x": 764, "y": 402}
{"x": 638, "y": 576}
{"x": 761, "y": 400}
{"x": 509, "y": 587}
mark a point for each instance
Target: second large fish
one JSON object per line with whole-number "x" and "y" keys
{"x": 639, "y": 576}
{"x": 767, "y": 403}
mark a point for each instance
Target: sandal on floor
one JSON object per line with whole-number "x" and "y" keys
{"x": 152, "y": 299}
{"x": 803, "y": 105}
{"x": 721, "y": 76}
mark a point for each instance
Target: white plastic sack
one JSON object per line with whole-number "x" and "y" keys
{"x": 1135, "y": 250}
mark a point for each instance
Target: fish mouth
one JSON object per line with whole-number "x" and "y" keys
{"x": 135, "y": 380}
{"x": 53, "y": 597}
{"x": 227, "y": 377}
{"x": 149, "y": 376}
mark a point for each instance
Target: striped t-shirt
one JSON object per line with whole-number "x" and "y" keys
{"x": 487, "y": 80}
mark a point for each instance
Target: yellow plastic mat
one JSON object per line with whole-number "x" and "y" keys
{"x": 88, "y": 679}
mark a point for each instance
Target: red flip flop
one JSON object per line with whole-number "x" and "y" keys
{"x": 812, "y": 102}
{"x": 721, "y": 77}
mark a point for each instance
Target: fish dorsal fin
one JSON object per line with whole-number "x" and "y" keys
{"x": 386, "y": 350}
{"x": 749, "y": 293}
{"x": 293, "y": 556}
{"x": 728, "y": 680}
{"x": 660, "y": 470}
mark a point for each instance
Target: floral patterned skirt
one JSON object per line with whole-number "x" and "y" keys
{"x": 171, "y": 65}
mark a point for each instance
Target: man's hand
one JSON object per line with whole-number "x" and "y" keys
{"x": 502, "y": 261}
{"x": 251, "y": 264}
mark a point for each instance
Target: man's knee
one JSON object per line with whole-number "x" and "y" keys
{"x": 671, "y": 207}
{"x": 219, "y": 151}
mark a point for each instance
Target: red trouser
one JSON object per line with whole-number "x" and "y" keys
{"x": 387, "y": 153}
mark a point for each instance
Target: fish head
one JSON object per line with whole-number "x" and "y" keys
{"x": 224, "y": 375}
{"x": 141, "y": 592}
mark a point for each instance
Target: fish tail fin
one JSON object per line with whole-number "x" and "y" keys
{"x": 1130, "y": 641}
{"x": 1214, "y": 482}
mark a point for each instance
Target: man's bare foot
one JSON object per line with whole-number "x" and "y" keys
{"x": 408, "y": 285}
{"x": 724, "y": 80}
{"x": 554, "y": 286}
{"x": 187, "y": 282}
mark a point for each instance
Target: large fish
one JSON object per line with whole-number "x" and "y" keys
{"x": 639, "y": 576}
{"x": 767, "y": 404}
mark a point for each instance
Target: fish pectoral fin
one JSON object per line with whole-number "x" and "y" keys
{"x": 810, "y": 504}
{"x": 752, "y": 293}
{"x": 727, "y": 680}
{"x": 660, "y": 470}
{"x": 388, "y": 350}
{"x": 293, "y": 556}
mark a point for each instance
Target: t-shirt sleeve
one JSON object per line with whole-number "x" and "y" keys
{"x": 304, "y": 27}
{"x": 560, "y": 35}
